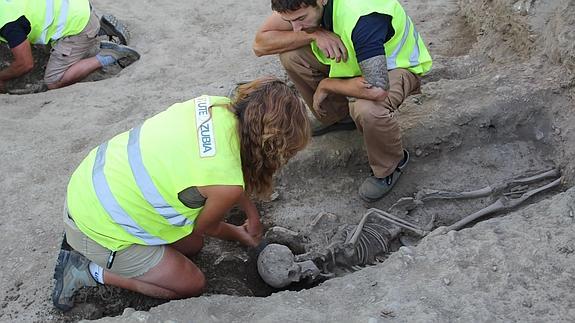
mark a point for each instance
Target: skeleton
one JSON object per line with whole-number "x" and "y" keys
{"x": 359, "y": 245}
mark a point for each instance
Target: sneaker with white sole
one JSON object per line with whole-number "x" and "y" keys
{"x": 123, "y": 55}
{"x": 72, "y": 273}
{"x": 374, "y": 188}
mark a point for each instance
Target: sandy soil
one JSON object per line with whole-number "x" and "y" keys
{"x": 498, "y": 103}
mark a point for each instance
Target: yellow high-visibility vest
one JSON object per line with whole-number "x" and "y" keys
{"x": 50, "y": 20}
{"x": 126, "y": 190}
{"x": 405, "y": 49}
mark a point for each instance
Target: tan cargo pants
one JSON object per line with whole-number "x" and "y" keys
{"x": 375, "y": 120}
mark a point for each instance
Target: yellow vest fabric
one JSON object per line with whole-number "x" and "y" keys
{"x": 126, "y": 190}
{"x": 405, "y": 49}
{"x": 50, "y": 20}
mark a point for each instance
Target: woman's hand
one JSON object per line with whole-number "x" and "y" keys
{"x": 253, "y": 225}
{"x": 255, "y": 229}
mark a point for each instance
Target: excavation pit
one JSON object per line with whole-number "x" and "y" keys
{"x": 317, "y": 193}
{"x": 32, "y": 82}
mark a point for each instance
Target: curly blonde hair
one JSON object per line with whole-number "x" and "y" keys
{"x": 273, "y": 126}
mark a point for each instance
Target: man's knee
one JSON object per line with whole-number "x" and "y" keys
{"x": 287, "y": 58}
{"x": 292, "y": 58}
{"x": 370, "y": 112}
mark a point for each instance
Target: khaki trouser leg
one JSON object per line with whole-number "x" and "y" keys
{"x": 305, "y": 71}
{"x": 379, "y": 125}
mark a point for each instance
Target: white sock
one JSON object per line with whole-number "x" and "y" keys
{"x": 97, "y": 272}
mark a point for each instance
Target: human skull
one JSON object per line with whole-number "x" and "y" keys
{"x": 278, "y": 269}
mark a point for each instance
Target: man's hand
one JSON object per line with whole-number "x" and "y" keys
{"x": 330, "y": 44}
{"x": 369, "y": 91}
{"x": 357, "y": 87}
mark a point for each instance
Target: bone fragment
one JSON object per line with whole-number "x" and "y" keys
{"x": 428, "y": 195}
{"x": 503, "y": 203}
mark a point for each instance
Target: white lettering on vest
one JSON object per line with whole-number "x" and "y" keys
{"x": 205, "y": 127}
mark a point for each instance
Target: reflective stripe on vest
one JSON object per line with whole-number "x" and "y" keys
{"x": 48, "y": 19}
{"x": 146, "y": 185}
{"x": 62, "y": 18}
{"x": 414, "y": 56}
{"x": 111, "y": 205}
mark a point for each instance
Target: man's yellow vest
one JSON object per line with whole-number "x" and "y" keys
{"x": 405, "y": 49}
{"x": 126, "y": 190}
{"x": 50, "y": 19}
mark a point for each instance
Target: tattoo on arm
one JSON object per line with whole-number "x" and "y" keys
{"x": 375, "y": 71}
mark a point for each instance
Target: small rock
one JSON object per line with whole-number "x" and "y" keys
{"x": 128, "y": 311}
{"x": 446, "y": 281}
{"x": 274, "y": 196}
{"x": 452, "y": 235}
{"x": 141, "y": 316}
{"x": 418, "y": 152}
{"x": 494, "y": 268}
{"x": 405, "y": 251}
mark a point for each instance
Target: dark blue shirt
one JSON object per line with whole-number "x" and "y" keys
{"x": 369, "y": 34}
{"x": 16, "y": 32}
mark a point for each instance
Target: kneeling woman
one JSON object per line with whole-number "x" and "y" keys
{"x": 142, "y": 202}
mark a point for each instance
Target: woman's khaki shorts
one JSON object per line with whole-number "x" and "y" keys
{"x": 133, "y": 261}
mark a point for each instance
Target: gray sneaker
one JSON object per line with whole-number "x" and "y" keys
{"x": 124, "y": 55}
{"x": 71, "y": 274}
{"x": 374, "y": 188}
{"x": 114, "y": 29}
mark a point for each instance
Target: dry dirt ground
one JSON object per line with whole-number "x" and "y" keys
{"x": 498, "y": 103}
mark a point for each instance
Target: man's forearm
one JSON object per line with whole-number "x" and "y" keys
{"x": 13, "y": 71}
{"x": 353, "y": 87}
{"x": 277, "y": 42}
{"x": 16, "y": 69}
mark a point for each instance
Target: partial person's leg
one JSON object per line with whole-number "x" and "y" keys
{"x": 68, "y": 63}
{"x": 149, "y": 270}
{"x": 305, "y": 71}
{"x": 382, "y": 134}
{"x": 174, "y": 277}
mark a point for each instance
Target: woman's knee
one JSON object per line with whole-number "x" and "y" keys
{"x": 195, "y": 285}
